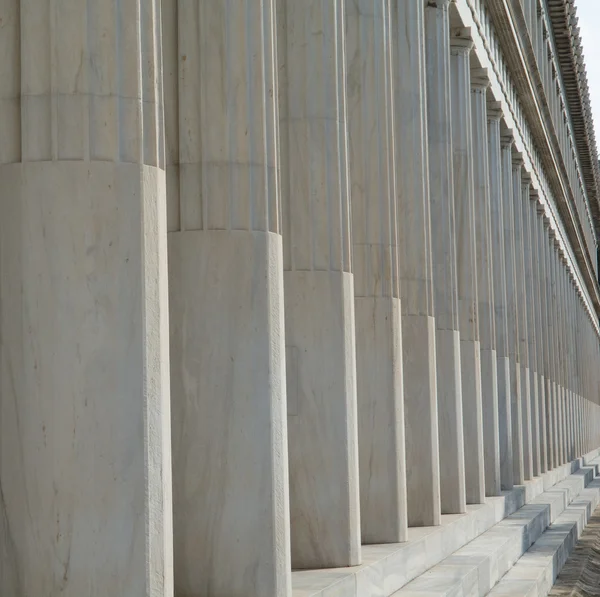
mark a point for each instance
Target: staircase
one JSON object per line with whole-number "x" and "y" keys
{"x": 513, "y": 545}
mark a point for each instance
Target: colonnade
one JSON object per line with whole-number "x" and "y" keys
{"x": 324, "y": 246}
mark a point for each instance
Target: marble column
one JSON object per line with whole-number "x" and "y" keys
{"x": 319, "y": 285}
{"x": 464, "y": 203}
{"x": 531, "y": 329}
{"x": 485, "y": 276}
{"x": 566, "y": 326}
{"x": 226, "y": 303}
{"x": 552, "y": 410}
{"x": 441, "y": 190}
{"x": 545, "y": 313}
{"x": 560, "y": 350}
{"x": 500, "y": 300}
{"x": 511, "y": 308}
{"x": 418, "y": 322}
{"x": 84, "y": 371}
{"x": 572, "y": 325}
{"x": 521, "y": 289}
{"x": 376, "y": 277}
{"x": 539, "y": 338}
{"x": 578, "y": 375}
{"x": 572, "y": 311}
{"x": 554, "y": 355}
{"x": 564, "y": 355}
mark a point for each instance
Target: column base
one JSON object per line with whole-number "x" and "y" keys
{"x": 421, "y": 419}
{"x": 450, "y": 422}
{"x": 491, "y": 437}
{"x": 230, "y": 468}
{"x": 322, "y": 419}
{"x": 84, "y": 380}
{"x": 543, "y": 425}
{"x": 517, "y": 421}
{"x": 535, "y": 426}
{"x": 380, "y": 399}
{"x": 472, "y": 422}
{"x": 526, "y": 423}
{"x": 505, "y": 421}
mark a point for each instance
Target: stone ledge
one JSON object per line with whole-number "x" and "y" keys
{"x": 534, "y": 574}
{"x": 387, "y": 568}
{"x": 474, "y": 569}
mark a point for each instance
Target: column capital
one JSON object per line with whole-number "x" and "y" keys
{"x": 517, "y": 159}
{"x": 525, "y": 177}
{"x": 494, "y": 110}
{"x": 438, "y": 4}
{"x": 546, "y": 220}
{"x": 506, "y": 138}
{"x": 480, "y": 79}
{"x": 562, "y": 257}
{"x": 534, "y": 195}
{"x": 461, "y": 41}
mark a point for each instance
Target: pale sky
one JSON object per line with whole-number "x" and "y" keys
{"x": 588, "y": 12}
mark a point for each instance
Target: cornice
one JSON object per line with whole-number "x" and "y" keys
{"x": 569, "y": 53}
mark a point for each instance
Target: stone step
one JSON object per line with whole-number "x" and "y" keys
{"x": 475, "y": 569}
{"x": 535, "y": 572}
{"x": 388, "y": 568}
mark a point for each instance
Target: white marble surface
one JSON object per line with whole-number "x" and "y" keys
{"x": 230, "y": 459}
{"x": 319, "y": 285}
{"x": 500, "y": 299}
{"x": 441, "y": 195}
{"x": 420, "y": 407}
{"x": 379, "y": 373}
{"x": 230, "y": 469}
{"x": 532, "y": 360}
{"x": 418, "y": 324}
{"x": 381, "y": 432}
{"x": 485, "y": 278}
{"x": 85, "y": 468}
{"x": 84, "y": 432}
{"x": 323, "y": 450}
{"x": 470, "y": 357}
{"x": 512, "y": 330}
{"x": 466, "y": 267}
{"x": 483, "y": 536}
{"x": 539, "y": 335}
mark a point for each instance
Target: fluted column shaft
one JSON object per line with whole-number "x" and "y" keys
{"x": 485, "y": 289}
{"x": 559, "y": 348}
{"x": 500, "y": 299}
{"x": 573, "y": 300}
{"x": 531, "y": 328}
{"x": 552, "y": 329}
{"x": 376, "y": 278}
{"x": 572, "y": 330}
{"x": 418, "y": 322}
{"x": 566, "y": 331}
{"x": 545, "y": 312}
{"x": 511, "y": 307}
{"x": 464, "y": 202}
{"x": 539, "y": 337}
{"x": 226, "y": 300}
{"x": 522, "y": 316}
{"x": 84, "y": 372}
{"x": 319, "y": 285}
{"x": 552, "y": 401}
{"x": 441, "y": 189}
